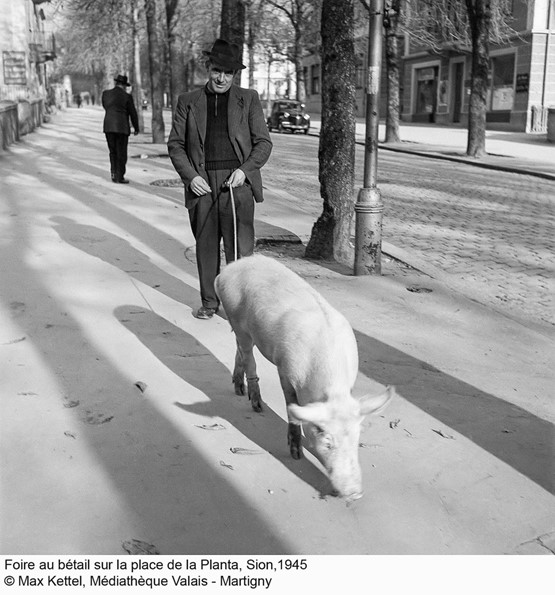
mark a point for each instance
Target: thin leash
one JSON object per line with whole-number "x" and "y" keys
{"x": 235, "y": 246}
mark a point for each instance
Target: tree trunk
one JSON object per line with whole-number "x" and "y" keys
{"x": 232, "y": 25}
{"x": 137, "y": 82}
{"x": 392, "y": 61}
{"x": 251, "y": 41}
{"x": 155, "y": 63}
{"x": 331, "y": 234}
{"x": 479, "y": 16}
{"x": 178, "y": 83}
{"x": 298, "y": 62}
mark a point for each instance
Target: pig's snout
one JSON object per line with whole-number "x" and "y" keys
{"x": 355, "y": 496}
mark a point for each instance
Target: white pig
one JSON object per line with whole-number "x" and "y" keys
{"x": 314, "y": 349}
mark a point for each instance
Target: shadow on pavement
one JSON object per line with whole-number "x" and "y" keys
{"x": 186, "y": 357}
{"x": 509, "y": 432}
{"x": 163, "y": 480}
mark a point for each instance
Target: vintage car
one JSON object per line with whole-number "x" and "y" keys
{"x": 288, "y": 114}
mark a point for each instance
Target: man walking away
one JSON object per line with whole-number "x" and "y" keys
{"x": 119, "y": 107}
{"x": 219, "y": 140}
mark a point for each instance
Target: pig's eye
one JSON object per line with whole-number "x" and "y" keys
{"x": 327, "y": 442}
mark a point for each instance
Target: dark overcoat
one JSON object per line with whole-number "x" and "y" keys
{"x": 119, "y": 108}
{"x": 247, "y": 131}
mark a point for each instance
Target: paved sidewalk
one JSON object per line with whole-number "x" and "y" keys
{"x": 110, "y": 386}
{"x": 506, "y": 151}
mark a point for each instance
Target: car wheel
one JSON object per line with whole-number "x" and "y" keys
{"x": 306, "y": 131}
{"x": 280, "y": 128}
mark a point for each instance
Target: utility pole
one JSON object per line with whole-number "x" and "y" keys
{"x": 369, "y": 207}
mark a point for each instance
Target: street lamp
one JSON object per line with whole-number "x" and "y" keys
{"x": 369, "y": 207}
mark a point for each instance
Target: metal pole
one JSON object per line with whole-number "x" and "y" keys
{"x": 369, "y": 207}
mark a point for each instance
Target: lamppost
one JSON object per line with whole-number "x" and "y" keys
{"x": 369, "y": 206}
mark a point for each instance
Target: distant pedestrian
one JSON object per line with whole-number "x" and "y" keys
{"x": 78, "y": 99}
{"x": 119, "y": 107}
{"x": 219, "y": 140}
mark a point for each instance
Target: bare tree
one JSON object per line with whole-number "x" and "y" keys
{"x": 232, "y": 26}
{"x": 302, "y": 14}
{"x": 155, "y": 59}
{"x": 473, "y": 24}
{"x": 331, "y": 233}
{"x": 176, "y": 63}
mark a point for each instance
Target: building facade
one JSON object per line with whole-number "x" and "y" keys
{"x": 435, "y": 85}
{"x": 26, "y": 47}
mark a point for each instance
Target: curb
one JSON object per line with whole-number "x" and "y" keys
{"x": 469, "y": 161}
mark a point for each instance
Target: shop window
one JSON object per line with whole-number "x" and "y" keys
{"x": 502, "y": 82}
{"x": 426, "y": 91}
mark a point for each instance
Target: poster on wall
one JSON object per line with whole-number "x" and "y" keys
{"x": 14, "y": 68}
{"x": 502, "y": 98}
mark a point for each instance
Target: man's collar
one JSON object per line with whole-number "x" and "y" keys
{"x": 210, "y": 92}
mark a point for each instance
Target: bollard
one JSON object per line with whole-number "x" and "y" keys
{"x": 368, "y": 232}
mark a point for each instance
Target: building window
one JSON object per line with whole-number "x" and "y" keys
{"x": 501, "y": 92}
{"x": 305, "y": 79}
{"x": 426, "y": 90}
{"x": 315, "y": 79}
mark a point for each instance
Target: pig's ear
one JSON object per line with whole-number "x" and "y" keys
{"x": 314, "y": 413}
{"x": 376, "y": 403}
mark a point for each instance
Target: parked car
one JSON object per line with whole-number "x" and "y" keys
{"x": 287, "y": 114}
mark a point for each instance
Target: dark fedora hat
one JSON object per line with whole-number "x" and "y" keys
{"x": 122, "y": 80}
{"x": 225, "y": 54}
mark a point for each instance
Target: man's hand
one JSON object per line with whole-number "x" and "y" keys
{"x": 237, "y": 178}
{"x": 135, "y": 133}
{"x": 200, "y": 186}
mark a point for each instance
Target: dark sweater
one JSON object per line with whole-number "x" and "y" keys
{"x": 218, "y": 148}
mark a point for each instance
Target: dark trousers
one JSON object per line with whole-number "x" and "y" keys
{"x": 117, "y": 144}
{"x": 211, "y": 221}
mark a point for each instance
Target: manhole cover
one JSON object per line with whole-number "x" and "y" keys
{"x": 173, "y": 183}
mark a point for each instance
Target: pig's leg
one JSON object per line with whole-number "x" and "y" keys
{"x": 245, "y": 345}
{"x": 293, "y": 429}
{"x": 238, "y": 377}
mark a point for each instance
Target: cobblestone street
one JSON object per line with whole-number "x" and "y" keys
{"x": 492, "y": 232}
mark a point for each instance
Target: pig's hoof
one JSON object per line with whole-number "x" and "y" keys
{"x": 254, "y": 394}
{"x": 294, "y": 441}
{"x": 239, "y": 385}
{"x": 296, "y": 451}
{"x": 256, "y": 402}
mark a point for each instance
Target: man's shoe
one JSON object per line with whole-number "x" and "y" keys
{"x": 205, "y": 313}
{"x": 122, "y": 181}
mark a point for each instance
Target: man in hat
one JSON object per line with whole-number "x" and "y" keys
{"x": 219, "y": 141}
{"x": 119, "y": 107}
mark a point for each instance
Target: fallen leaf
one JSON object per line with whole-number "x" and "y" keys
{"x": 69, "y": 435}
{"x": 15, "y": 341}
{"x": 212, "y": 427}
{"x": 136, "y": 547}
{"x": 244, "y": 451}
{"x": 141, "y": 386}
{"x": 448, "y": 436}
{"x": 393, "y": 424}
{"x": 226, "y": 465}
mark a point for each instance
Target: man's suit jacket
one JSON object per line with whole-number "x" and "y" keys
{"x": 119, "y": 108}
{"x": 247, "y": 131}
